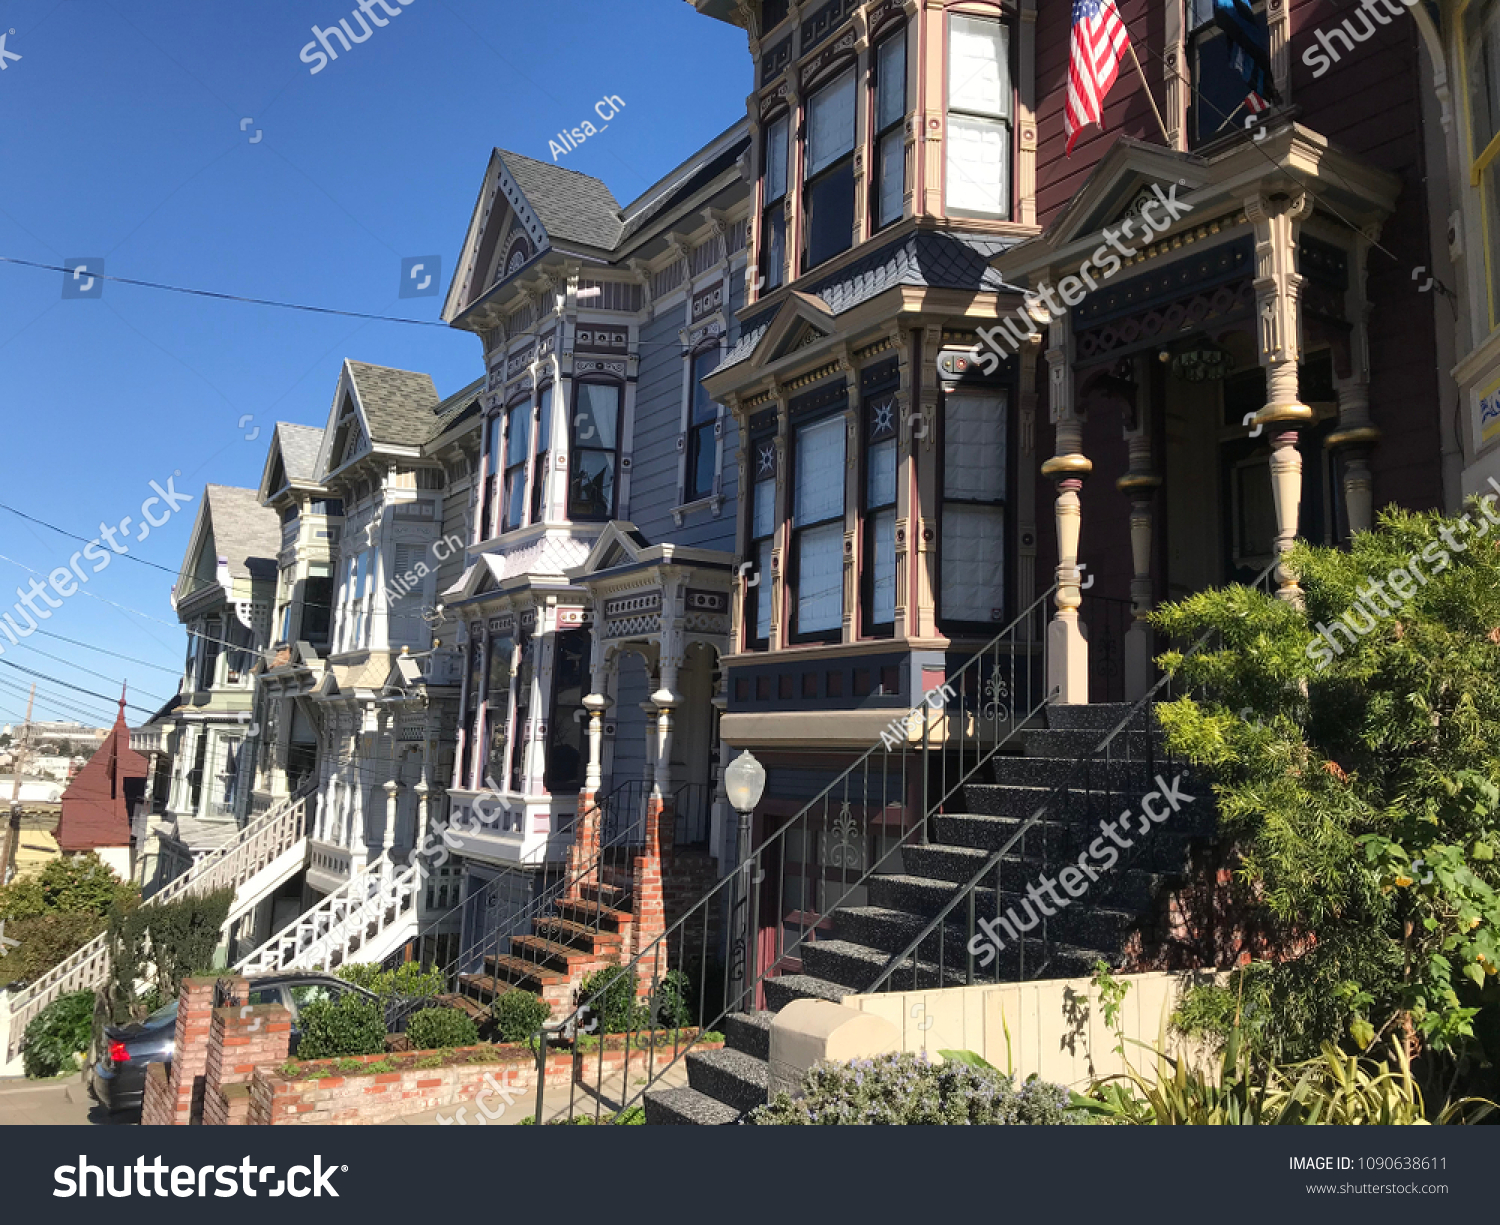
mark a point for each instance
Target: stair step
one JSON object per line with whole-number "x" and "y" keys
{"x": 1132, "y": 775}
{"x": 687, "y": 1108}
{"x": 732, "y": 1077}
{"x": 892, "y": 931}
{"x": 782, "y": 991}
{"x": 856, "y": 966}
{"x": 1101, "y": 715}
{"x": 1092, "y": 926}
{"x": 594, "y": 914}
{"x": 749, "y": 1032}
{"x": 1073, "y": 743}
{"x": 545, "y": 954}
{"x": 508, "y": 970}
{"x": 590, "y": 938}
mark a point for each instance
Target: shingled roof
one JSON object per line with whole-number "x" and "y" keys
{"x": 572, "y": 207}
{"x": 932, "y": 259}
{"x": 244, "y": 531}
{"x": 299, "y": 449}
{"x": 450, "y": 411}
{"x": 96, "y": 806}
{"x": 398, "y": 404}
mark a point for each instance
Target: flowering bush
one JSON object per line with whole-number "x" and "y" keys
{"x": 906, "y": 1089}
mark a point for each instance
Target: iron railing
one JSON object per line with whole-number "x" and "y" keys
{"x": 1104, "y": 802}
{"x": 819, "y": 859}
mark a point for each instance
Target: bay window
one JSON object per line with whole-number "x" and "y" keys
{"x": 828, "y": 173}
{"x": 595, "y": 431}
{"x": 524, "y": 674}
{"x": 517, "y": 455}
{"x": 971, "y": 560}
{"x": 762, "y": 537}
{"x": 541, "y": 480}
{"x": 878, "y": 592}
{"x": 565, "y": 734}
{"x": 1481, "y": 52}
{"x": 979, "y": 117}
{"x": 818, "y": 531}
{"x": 497, "y": 707}
{"x": 890, "y": 130}
{"x": 773, "y": 206}
{"x": 212, "y": 632}
{"x": 492, "y": 464}
{"x": 702, "y": 446}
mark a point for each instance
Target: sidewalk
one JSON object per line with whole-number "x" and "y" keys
{"x": 49, "y": 1103}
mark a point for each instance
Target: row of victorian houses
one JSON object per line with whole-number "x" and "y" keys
{"x": 734, "y": 475}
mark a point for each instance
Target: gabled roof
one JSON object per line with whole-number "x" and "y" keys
{"x": 299, "y": 450}
{"x": 573, "y": 207}
{"x": 455, "y": 408}
{"x": 243, "y": 530}
{"x": 397, "y": 404}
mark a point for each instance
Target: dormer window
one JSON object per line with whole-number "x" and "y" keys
{"x": 828, "y": 173}
{"x": 979, "y": 117}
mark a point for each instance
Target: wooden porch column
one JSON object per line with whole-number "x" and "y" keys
{"x": 1139, "y": 484}
{"x": 1067, "y": 648}
{"x": 1278, "y": 293}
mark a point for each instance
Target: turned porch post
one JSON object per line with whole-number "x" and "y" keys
{"x": 1067, "y": 648}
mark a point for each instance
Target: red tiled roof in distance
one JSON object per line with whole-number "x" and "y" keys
{"x": 96, "y": 804}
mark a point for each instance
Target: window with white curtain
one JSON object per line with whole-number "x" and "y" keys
{"x": 979, "y": 117}
{"x": 828, "y": 173}
{"x": 541, "y": 477}
{"x": 890, "y": 129}
{"x": 517, "y": 453}
{"x": 879, "y": 583}
{"x": 595, "y": 430}
{"x": 773, "y": 197}
{"x": 818, "y": 528}
{"x": 971, "y": 559}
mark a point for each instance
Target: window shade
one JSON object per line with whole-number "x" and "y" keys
{"x": 892, "y": 177}
{"x": 763, "y": 590}
{"x": 973, "y": 552}
{"x": 830, "y": 123}
{"x": 978, "y": 166}
{"x": 776, "y": 160}
{"x": 820, "y": 578}
{"x": 820, "y": 471}
{"x": 598, "y": 415}
{"x": 890, "y": 97}
{"x": 883, "y": 584}
{"x": 974, "y": 448}
{"x": 764, "y": 521}
{"x": 880, "y": 486}
{"x": 978, "y": 66}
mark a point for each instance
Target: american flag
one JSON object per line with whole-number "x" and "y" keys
{"x": 1099, "y": 40}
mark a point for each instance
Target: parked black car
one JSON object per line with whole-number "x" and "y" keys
{"x": 117, "y": 1079}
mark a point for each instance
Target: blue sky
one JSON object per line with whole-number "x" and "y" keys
{"x": 121, "y": 137}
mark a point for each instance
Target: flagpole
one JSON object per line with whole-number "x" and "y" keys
{"x": 1150, "y": 97}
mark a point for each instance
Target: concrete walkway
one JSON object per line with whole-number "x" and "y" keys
{"x": 49, "y": 1103}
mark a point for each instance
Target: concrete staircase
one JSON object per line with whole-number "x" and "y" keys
{"x": 723, "y": 1085}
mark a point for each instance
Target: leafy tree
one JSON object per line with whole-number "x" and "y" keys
{"x": 1357, "y": 773}
{"x": 70, "y": 884}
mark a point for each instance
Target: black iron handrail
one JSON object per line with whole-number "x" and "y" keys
{"x": 960, "y": 714}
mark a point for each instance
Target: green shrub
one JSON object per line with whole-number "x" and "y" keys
{"x": 351, "y": 1025}
{"x": 519, "y": 1015}
{"x": 671, "y": 1009}
{"x": 439, "y": 1028}
{"x": 905, "y": 1089}
{"x": 75, "y": 884}
{"x": 58, "y": 1034}
{"x": 407, "y": 981}
{"x": 610, "y": 994}
{"x": 44, "y": 941}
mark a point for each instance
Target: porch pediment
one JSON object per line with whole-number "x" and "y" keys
{"x": 620, "y": 544}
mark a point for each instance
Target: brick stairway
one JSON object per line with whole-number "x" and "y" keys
{"x": 723, "y": 1085}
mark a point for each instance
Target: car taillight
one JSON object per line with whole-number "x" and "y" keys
{"x": 118, "y": 1053}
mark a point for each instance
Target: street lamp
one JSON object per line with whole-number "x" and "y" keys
{"x": 744, "y": 783}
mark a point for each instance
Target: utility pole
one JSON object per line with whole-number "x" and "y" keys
{"x": 18, "y": 765}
